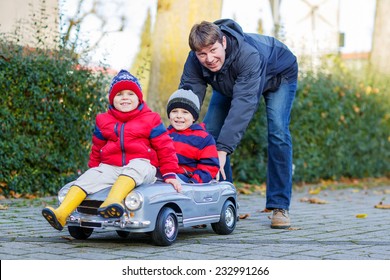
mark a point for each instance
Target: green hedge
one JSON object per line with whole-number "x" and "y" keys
{"x": 47, "y": 115}
{"x": 340, "y": 128}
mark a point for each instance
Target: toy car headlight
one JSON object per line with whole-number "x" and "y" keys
{"x": 134, "y": 201}
{"x": 62, "y": 193}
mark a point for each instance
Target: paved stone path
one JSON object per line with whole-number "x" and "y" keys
{"x": 328, "y": 231}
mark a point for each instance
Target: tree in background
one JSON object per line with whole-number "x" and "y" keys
{"x": 141, "y": 64}
{"x": 170, "y": 44}
{"x": 380, "y": 54}
{"x": 96, "y": 11}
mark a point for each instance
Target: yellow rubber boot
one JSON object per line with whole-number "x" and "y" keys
{"x": 57, "y": 217}
{"x": 112, "y": 207}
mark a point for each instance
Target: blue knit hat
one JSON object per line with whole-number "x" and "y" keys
{"x": 124, "y": 81}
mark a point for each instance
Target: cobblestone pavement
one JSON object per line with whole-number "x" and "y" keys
{"x": 329, "y": 231}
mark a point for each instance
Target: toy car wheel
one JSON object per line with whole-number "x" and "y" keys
{"x": 227, "y": 222}
{"x": 80, "y": 232}
{"x": 123, "y": 233}
{"x": 166, "y": 229}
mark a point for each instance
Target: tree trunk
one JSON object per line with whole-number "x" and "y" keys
{"x": 174, "y": 21}
{"x": 141, "y": 65}
{"x": 380, "y": 54}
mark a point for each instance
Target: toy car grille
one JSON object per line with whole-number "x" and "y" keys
{"x": 91, "y": 224}
{"x": 89, "y": 207}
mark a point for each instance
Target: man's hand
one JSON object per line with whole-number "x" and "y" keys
{"x": 222, "y": 161}
{"x": 175, "y": 183}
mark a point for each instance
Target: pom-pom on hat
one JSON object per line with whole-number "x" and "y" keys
{"x": 185, "y": 99}
{"x": 124, "y": 81}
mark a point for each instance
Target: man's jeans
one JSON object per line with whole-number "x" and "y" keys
{"x": 278, "y": 109}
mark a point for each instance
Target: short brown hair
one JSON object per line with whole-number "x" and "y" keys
{"x": 204, "y": 34}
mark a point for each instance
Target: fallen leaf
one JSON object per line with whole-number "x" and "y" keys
{"x": 14, "y": 194}
{"x": 315, "y": 191}
{"x": 313, "y": 200}
{"x": 3, "y": 207}
{"x": 244, "y": 191}
{"x": 361, "y": 216}
{"x": 380, "y": 205}
{"x": 294, "y": 228}
{"x": 67, "y": 238}
{"x": 260, "y": 188}
{"x": 265, "y": 210}
{"x": 30, "y": 196}
{"x": 244, "y": 216}
{"x": 317, "y": 201}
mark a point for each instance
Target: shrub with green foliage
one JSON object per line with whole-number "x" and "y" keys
{"x": 340, "y": 128}
{"x": 47, "y": 113}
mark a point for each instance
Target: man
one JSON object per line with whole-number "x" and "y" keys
{"x": 240, "y": 67}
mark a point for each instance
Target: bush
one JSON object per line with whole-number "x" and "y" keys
{"x": 48, "y": 107}
{"x": 340, "y": 128}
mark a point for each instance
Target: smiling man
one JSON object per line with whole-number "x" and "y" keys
{"x": 241, "y": 67}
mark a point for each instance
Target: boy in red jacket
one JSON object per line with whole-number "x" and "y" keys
{"x": 195, "y": 147}
{"x": 129, "y": 143}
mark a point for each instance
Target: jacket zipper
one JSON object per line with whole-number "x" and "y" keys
{"x": 122, "y": 143}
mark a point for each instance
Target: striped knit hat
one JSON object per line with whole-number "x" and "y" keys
{"x": 124, "y": 81}
{"x": 185, "y": 99}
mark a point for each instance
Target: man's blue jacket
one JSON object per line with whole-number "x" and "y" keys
{"x": 254, "y": 64}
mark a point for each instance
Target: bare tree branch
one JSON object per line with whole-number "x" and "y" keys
{"x": 98, "y": 11}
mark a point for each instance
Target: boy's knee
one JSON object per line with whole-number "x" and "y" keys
{"x": 141, "y": 170}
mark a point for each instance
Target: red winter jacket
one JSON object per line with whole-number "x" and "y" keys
{"x": 120, "y": 137}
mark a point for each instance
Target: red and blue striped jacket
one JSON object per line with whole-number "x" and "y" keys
{"x": 197, "y": 153}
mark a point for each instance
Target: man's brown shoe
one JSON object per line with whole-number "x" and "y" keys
{"x": 280, "y": 219}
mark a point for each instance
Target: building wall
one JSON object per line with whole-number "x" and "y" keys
{"x": 22, "y": 19}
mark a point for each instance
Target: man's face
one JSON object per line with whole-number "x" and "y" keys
{"x": 213, "y": 57}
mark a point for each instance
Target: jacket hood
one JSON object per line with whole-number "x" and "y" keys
{"x": 234, "y": 38}
{"x": 230, "y": 26}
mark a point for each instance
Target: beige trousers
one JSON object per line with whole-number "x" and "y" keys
{"x": 104, "y": 176}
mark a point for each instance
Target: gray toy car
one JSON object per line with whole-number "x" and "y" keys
{"x": 160, "y": 210}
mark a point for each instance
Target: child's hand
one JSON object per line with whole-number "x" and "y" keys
{"x": 175, "y": 183}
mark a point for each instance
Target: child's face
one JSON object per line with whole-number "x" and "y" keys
{"x": 181, "y": 119}
{"x": 126, "y": 101}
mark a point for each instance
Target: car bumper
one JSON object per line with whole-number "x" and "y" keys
{"x": 96, "y": 222}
